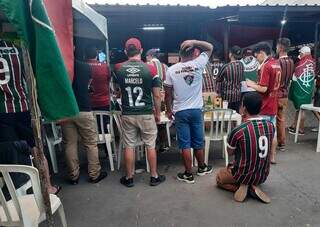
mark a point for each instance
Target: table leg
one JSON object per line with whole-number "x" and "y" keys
{"x": 168, "y": 133}
{"x": 318, "y": 141}
{"x": 298, "y": 126}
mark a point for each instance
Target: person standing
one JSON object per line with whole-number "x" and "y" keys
{"x": 15, "y": 117}
{"x": 251, "y": 66}
{"x": 82, "y": 126}
{"x": 100, "y": 75}
{"x": 302, "y": 86}
{"x": 287, "y": 70}
{"x": 183, "y": 88}
{"x": 139, "y": 84}
{"x": 269, "y": 79}
{"x": 250, "y": 144}
{"x": 152, "y": 57}
{"x": 230, "y": 77}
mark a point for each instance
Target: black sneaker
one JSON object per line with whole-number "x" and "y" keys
{"x": 99, "y": 178}
{"x": 156, "y": 181}
{"x": 281, "y": 148}
{"x": 204, "y": 170}
{"x": 74, "y": 182}
{"x": 127, "y": 182}
{"x": 186, "y": 177}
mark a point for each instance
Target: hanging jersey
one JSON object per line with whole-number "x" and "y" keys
{"x": 12, "y": 83}
{"x": 251, "y": 142}
{"x": 136, "y": 80}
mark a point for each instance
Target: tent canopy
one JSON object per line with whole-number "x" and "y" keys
{"x": 84, "y": 17}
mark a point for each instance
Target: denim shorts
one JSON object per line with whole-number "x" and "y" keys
{"x": 189, "y": 126}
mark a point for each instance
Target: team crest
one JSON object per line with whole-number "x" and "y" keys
{"x": 306, "y": 77}
{"x": 188, "y": 79}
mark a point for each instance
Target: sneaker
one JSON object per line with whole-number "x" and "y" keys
{"x": 241, "y": 194}
{"x": 292, "y": 131}
{"x": 281, "y": 148}
{"x": 156, "y": 181}
{"x": 258, "y": 194}
{"x": 127, "y": 182}
{"x": 99, "y": 178}
{"x": 314, "y": 130}
{"x": 74, "y": 182}
{"x": 186, "y": 177}
{"x": 204, "y": 170}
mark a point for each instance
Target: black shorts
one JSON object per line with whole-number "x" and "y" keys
{"x": 16, "y": 127}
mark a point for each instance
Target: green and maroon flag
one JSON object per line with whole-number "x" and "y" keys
{"x": 55, "y": 95}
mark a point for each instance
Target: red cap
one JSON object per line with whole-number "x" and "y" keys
{"x": 135, "y": 42}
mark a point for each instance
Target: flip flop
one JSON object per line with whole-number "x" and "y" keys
{"x": 58, "y": 189}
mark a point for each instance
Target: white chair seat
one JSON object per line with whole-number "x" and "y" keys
{"x": 29, "y": 208}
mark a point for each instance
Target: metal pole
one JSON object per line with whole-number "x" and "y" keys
{"x": 37, "y": 152}
{"x": 316, "y": 47}
{"x": 226, "y": 41}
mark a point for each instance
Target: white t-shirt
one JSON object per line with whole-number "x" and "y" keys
{"x": 186, "y": 80}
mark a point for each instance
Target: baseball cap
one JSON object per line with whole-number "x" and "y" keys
{"x": 133, "y": 42}
{"x": 152, "y": 52}
{"x": 305, "y": 50}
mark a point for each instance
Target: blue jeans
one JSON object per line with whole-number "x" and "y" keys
{"x": 189, "y": 126}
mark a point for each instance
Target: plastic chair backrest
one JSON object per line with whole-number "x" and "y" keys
{"x": 219, "y": 118}
{"x": 105, "y": 129}
{"x": 55, "y": 131}
{"x": 34, "y": 177}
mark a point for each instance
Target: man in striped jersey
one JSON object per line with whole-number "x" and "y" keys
{"x": 250, "y": 144}
{"x": 15, "y": 118}
{"x": 287, "y": 70}
{"x": 230, "y": 78}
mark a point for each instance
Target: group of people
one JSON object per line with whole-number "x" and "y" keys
{"x": 254, "y": 83}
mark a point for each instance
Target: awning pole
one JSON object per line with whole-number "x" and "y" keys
{"x": 226, "y": 40}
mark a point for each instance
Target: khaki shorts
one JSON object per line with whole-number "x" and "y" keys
{"x": 139, "y": 125}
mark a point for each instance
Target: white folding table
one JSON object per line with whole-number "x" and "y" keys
{"x": 309, "y": 107}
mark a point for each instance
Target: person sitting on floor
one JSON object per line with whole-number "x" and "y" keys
{"x": 250, "y": 168}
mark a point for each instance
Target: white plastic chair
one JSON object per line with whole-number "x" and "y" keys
{"x": 26, "y": 210}
{"x": 52, "y": 140}
{"x": 106, "y": 136}
{"x": 220, "y": 126}
{"x": 140, "y": 148}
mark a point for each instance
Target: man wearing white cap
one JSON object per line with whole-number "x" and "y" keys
{"x": 302, "y": 85}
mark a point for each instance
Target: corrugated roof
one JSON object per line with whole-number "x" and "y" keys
{"x": 291, "y": 3}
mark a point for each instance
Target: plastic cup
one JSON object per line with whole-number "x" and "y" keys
{"x": 225, "y": 104}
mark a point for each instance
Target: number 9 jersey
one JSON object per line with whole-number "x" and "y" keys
{"x": 251, "y": 145}
{"x": 136, "y": 80}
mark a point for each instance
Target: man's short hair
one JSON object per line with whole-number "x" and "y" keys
{"x": 132, "y": 50}
{"x": 236, "y": 51}
{"x": 263, "y": 46}
{"x": 285, "y": 43}
{"x": 252, "y": 101}
{"x": 91, "y": 52}
{"x": 186, "y": 53}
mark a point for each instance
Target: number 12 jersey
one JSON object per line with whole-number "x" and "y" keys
{"x": 136, "y": 80}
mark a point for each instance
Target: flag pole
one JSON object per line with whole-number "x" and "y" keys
{"x": 37, "y": 151}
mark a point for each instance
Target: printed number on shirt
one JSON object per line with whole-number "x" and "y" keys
{"x": 4, "y": 70}
{"x": 263, "y": 146}
{"x": 278, "y": 81}
{"x": 136, "y": 90}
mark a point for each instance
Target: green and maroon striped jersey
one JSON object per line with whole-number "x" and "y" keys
{"x": 12, "y": 91}
{"x": 136, "y": 80}
{"x": 229, "y": 80}
{"x": 251, "y": 145}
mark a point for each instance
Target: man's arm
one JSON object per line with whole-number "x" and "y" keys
{"x": 168, "y": 100}
{"x": 157, "y": 102}
{"x": 203, "y": 45}
{"x": 257, "y": 87}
